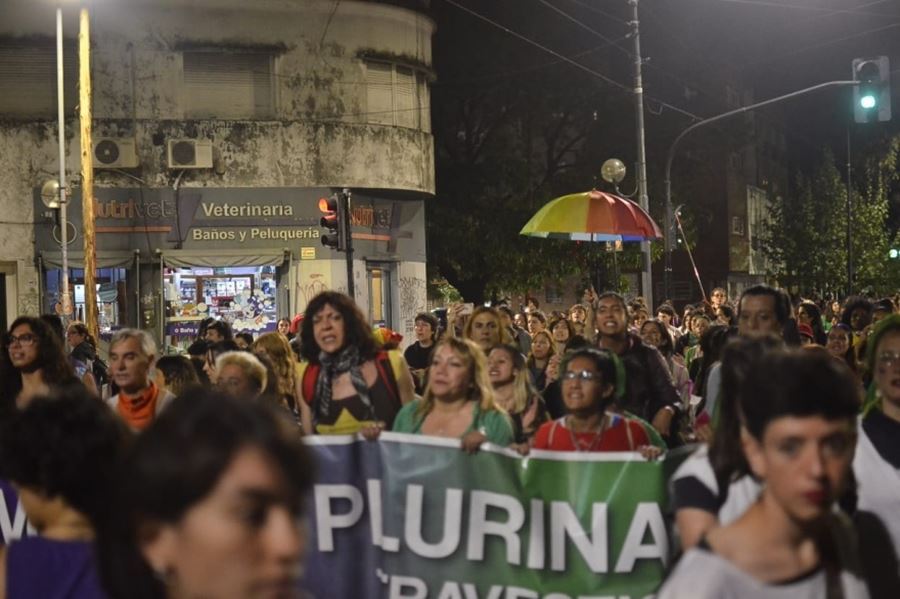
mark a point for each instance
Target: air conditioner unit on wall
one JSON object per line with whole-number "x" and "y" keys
{"x": 115, "y": 152}
{"x": 189, "y": 153}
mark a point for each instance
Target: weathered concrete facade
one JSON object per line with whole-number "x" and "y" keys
{"x": 316, "y": 128}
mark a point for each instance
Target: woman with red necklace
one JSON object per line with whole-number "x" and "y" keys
{"x": 589, "y": 383}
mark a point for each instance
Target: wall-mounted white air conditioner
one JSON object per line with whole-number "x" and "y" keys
{"x": 189, "y": 153}
{"x": 115, "y": 152}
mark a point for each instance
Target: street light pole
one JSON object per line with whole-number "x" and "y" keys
{"x": 671, "y": 155}
{"x": 643, "y": 200}
{"x": 65, "y": 296}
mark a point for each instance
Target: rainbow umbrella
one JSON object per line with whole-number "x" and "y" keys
{"x": 592, "y": 216}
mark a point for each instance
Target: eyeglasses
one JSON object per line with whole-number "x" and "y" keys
{"x": 581, "y": 375}
{"x": 24, "y": 339}
{"x": 889, "y": 358}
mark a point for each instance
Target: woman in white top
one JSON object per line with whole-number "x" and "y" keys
{"x": 714, "y": 486}
{"x": 876, "y": 465}
{"x": 798, "y": 435}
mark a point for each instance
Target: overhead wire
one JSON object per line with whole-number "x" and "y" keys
{"x": 593, "y": 31}
{"x": 806, "y": 7}
{"x": 568, "y": 60}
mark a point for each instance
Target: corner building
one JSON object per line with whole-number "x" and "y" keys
{"x": 217, "y": 127}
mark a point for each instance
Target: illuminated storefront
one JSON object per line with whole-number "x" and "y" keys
{"x": 248, "y": 256}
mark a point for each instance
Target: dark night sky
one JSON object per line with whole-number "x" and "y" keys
{"x": 775, "y": 46}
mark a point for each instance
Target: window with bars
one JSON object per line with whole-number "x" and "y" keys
{"x": 28, "y": 81}
{"x": 229, "y": 85}
{"x": 396, "y": 95}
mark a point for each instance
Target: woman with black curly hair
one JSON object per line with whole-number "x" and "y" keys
{"x": 59, "y": 453}
{"x": 346, "y": 382}
{"x": 32, "y": 362}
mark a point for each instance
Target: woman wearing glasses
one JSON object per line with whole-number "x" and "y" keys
{"x": 589, "y": 384}
{"x": 877, "y": 461}
{"x": 32, "y": 362}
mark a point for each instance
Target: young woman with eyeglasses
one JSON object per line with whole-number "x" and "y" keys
{"x": 589, "y": 382}
{"x": 877, "y": 461}
{"x": 32, "y": 362}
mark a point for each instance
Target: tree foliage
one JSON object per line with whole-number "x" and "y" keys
{"x": 805, "y": 237}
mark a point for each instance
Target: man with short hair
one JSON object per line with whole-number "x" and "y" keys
{"x": 217, "y": 331}
{"x": 649, "y": 391}
{"x": 537, "y": 322}
{"x": 418, "y": 355}
{"x": 666, "y": 314}
{"x": 132, "y": 354}
{"x": 717, "y": 297}
{"x": 762, "y": 311}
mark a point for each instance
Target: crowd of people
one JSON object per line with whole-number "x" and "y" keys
{"x": 182, "y": 476}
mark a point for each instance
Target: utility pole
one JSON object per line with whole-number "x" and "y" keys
{"x": 643, "y": 200}
{"x": 87, "y": 175}
{"x": 65, "y": 295}
{"x": 849, "y": 223}
{"x": 671, "y": 156}
{"x": 348, "y": 232}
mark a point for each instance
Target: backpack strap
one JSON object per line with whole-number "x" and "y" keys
{"x": 386, "y": 373}
{"x": 308, "y": 382}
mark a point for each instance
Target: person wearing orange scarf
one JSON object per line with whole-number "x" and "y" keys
{"x": 131, "y": 356}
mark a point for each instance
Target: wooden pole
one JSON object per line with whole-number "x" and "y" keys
{"x": 87, "y": 176}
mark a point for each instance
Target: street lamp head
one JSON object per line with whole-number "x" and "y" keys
{"x": 50, "y": 194}
{"x": 613, "y": 171}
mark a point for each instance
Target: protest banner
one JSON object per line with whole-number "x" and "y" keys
{"x": 13, "y": 525}
{"x": 415, "y": 517}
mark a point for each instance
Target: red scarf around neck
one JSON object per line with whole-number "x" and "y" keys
{"x": 138, "y": 412}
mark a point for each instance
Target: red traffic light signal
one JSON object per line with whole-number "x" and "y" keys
{"x": 333, "y": 221}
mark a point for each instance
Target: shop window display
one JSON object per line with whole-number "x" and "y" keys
{"x": 245, "y": 297}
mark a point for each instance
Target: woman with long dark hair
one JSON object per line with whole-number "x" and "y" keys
{"x": 808, "y": 313}
{"x": 654, "y": 332}
{"x": 840, "y": 345}
{"x": 32, "y": 363}
{"x": 712, "y": 487}
{"x": 346, "y": 382}
{"x": 542, "y": 351}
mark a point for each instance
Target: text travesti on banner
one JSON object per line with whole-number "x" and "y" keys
{"x": 414, "y": 517}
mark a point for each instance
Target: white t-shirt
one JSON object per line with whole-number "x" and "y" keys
{"x": 702, "y": 574}
{"x": 876, "y": 467}
{"x": 694, "y": 486}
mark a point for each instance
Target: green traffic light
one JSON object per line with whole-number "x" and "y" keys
{"x": 867, "y": 101}
{"x": 893, "y": 254}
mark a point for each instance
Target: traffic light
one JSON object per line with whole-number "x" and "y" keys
{"x": 336, "y": 236}
{"x": 893, "y": 253}
{"x": 872, "y": 97}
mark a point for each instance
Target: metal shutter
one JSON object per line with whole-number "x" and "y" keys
{"x": 406, "y": 104}
{"x": 228, "y": 85}
{"x": 379, "y": 85}
{"x": 28, "y": 81}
